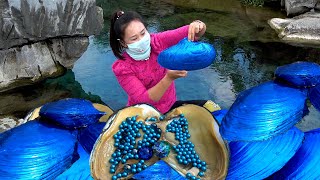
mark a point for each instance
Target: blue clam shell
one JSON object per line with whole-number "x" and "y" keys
{"x": 187, "y": 55}
{"x": 314, "y": 96}
{"x": 300, "y": 74}
{"x": 36, "y": 151}
{"x": 158, "y": 171}
{"x": 219, "y": 114}
{"x": 88, "y": 136}
{"x": 80, "y": 170}
{"x": 305, "y": 163}
{"x": 71, "y": 113}
{"x": 260, "y": 159}
{"x": 262, "y": 112}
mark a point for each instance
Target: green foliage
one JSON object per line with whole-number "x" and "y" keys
{"x": 253, "y": 2}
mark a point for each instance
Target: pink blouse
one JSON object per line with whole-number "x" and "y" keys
{"x": 136, "y": 77}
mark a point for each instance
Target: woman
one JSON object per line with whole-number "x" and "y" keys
{"x": 137, "y": 69}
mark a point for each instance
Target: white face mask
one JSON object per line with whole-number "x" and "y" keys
{"x": 141, "y": 49}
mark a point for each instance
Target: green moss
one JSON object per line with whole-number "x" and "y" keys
{"x": 253, "y": 2}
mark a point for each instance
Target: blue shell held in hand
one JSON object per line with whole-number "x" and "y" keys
{"x": 36, "y": 151}
{"x": 305, "y": 163}
{"x": 260, "y": 159}
{"x": 187, "y": 55}
{"x": 71, "y": 113}
{"x": 263, "y": 112}
{"x": 300, "y": 74}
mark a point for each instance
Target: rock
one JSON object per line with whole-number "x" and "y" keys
{"x": 38, "y": 39}
{"x": 25, "y": 65}
{"x": 8, "y": 123}
{"x": 317, "y": 7}
{"x": 295, "y": 7}
{"x": 28, "y": 21}
{"x": 16, "y": 104}
{"x": 303, "y": 29}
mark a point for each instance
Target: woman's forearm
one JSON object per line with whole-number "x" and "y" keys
{"x": 157, "y": 91}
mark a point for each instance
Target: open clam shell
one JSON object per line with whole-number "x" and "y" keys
{"x": 208, "y": 143}
{"x": 204, "y": 131}
{"x": 104, "y": 146}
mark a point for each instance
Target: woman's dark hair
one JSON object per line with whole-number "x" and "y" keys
{"x": 119, "y": 22}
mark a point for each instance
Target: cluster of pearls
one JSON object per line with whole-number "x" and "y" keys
{"x": 128, "y": 148}
{"x": 185, "y": 149}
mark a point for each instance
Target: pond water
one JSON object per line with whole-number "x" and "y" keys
{"x": 248, "y": 52}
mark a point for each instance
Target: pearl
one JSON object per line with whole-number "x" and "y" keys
{"x": 201, "y": 174}
{"x": 145, "y": 153}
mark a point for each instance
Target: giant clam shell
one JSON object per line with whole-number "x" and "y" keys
{"x": 205, "y": 136}
{"x": 263, "y": 112}
{"x": 305, "y": 163}
{"x": 35, "y": 113}
{"x": 104, "y": 146}
{"x": 71, "y": 112}
{"x": 88, "y": 136}
{"x": 314, "y": 97}
{"x": 80, "y": 170}
{"x": 36, "y": 151}
{"x": 299, "y": 74}
{"x": 203, "y": 129}
{"x": 260, "y": 159}
{"x": 187, "y": 55}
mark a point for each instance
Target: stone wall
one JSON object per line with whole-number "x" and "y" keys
{"x": 38, "y": 38}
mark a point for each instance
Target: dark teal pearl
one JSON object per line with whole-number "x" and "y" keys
{"x": 111, "y": 160}
{"x": 188, "y": 175}
{"x": 133, "y": 170}
{"x": 112, "y": 171}
{"x": 124, "y": 174}
{"x": 119, "y": 175}
{"x": 201, "y": 174}
{"x": 123, "y": 161}
{"x": 203, "y": 168}
{"x": 194, "y": 164}
{"x": 139, "y": 169}
{"x": 193, "y": 178}
{"x": 114, "y": 177}
{"x": 199, "y": 166}
{"x": 203, "y": 163}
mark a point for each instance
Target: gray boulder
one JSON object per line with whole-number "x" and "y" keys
{"x": 303, "y": 29}
{"x": 24, "y": 65}
{"x": 40, "y": 38}
{"x": 28, "y": 21}
{"x": 296, "y": 7}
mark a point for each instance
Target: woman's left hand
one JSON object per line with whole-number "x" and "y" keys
{"x": 196, "y": 29}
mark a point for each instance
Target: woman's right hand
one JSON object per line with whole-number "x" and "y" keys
{"x": 175, "y": 74}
